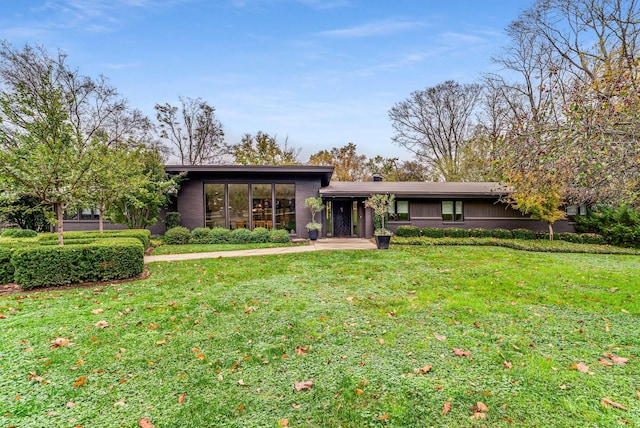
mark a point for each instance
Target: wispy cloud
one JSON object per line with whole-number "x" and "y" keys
{"x": 372, "y": 29}
{"x": 325, "y": 4}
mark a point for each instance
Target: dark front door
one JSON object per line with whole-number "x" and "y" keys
{"x": 341, "y": 219}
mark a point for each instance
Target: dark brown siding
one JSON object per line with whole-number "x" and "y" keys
{"x": 191, "y": 204}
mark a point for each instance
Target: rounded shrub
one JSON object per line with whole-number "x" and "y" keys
{"x": 456, "y": 232}
{"x": 177, "y": 235}
{"x": 408, "y": 231}
{"x": 432, "y": 232}
{"x": 593, "y": 238}
{"x": 279, "y": 236}
{"x": 260, "y": 235}
{"x": 24, "y": 233}
{"x": 542, "y": 235}
{"x": 569, "y": 237}
{"x": 201, "y": 235}
{"x": 240, "y": 236}
{"x": 9, "y": 233}
{"x": 479, "y": 232}
{"x": 523, "y": 234}
{"x": 502, "y": 234}
{"x": 219, "y": 235}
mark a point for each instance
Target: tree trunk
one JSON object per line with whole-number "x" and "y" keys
{"x": 60, "y": 215}
{"x": 550, "y": 232}
{"x": 100, "y": 220}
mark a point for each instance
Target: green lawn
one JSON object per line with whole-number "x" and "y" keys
{"x": 203, "y": 248}
{"x": 222, "y": 342}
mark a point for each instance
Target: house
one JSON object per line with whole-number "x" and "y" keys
{"x": 239, "y": 196}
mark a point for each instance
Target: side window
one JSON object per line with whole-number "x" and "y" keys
{"x": 399, "y": 211}
{"x": 452, "y": 211}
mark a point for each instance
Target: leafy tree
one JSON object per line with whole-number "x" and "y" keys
{"x": 263, "y": 149}
{"x": 349, "y": 166}
{"x": 436, "y": 124}
{"x": 149, "y": 190}
{"x": 192, "y": 130}
{"x": 27, "y": 212}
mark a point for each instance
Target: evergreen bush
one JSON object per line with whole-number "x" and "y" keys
{"x": 479, "y": 233}
{"x": 523, "y": 234}
{"x": 502, "y": 234}
{"x": 432, "y": 232}
{"x": 408, "y": 231}
{"x": 219, "y": 235}
{"x": 201, "y": 235}
{"x": 280, "y": 236}
{"x": 172, "y": 219}
{"x": 177, "y": 235}
{"x": 456, "y": 232}
{"x": 240, "y": 236}
{"x": 569, "y": 237}
{"x": 260, "y": 235}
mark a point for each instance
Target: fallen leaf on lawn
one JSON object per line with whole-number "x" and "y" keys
{"x": 507, "y": 365}
{"x": 481, "y": 407}
{"x": 181, "y": 398}
{"x": 161, "y": 342}
{"x": 446, "y": 408}
{"x": 461, "y": 353}
{"x": 220, "y": 378}
{"x": 80, "y": 381}
{"x": 384, "y": 417}
{"x": 359, "y": 391}
{"x": 350, "y": 298}
{"x": 241, "y": 407}
{"x": 301, "y": 350}
{"x": 296, "y": 406}
{"x": 381, "y": 341}
{"x": 97, "y": 311}
{"x": 284, "y": 422}
{"x": 145, "y": 423}
{"x": 425, "y": 369}
{"x": 411, "y": 292}
{"x": 59, "y": 342}
{"x": 440, "y": 338}
{"x": 609, "y": 402}
{"x": 241, "y": 383}
{"x": 102, "y": 324}
{"x": 616, "y": 359}
{"x": 303, "y": 385}
{"x": 583, "y": 368}
{"x": 638, "y": 394}
{"x": 71, "y": 404}
{"x": 604, "y": 362}
{"x": 478, "y": 415}
{"x": 118, "y": 403}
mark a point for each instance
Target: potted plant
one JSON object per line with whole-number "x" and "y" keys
{"x": 315, "y": 205}
{"x": 381, "y": 205}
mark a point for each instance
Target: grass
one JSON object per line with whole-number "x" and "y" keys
{"x": 221, "y": 342}
{"x": 203, "y": 248}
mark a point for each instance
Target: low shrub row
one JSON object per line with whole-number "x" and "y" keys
{"x": 516, "y": 244}
{"x": 143, "y": 235}
{"x": 51, "y": 265}
{"x": 18, "y": 233}
{"x": 218, "y": 235}
{"x": 522, "y": 234}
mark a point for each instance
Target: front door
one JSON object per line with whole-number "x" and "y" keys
{"x": 341, "y": 219}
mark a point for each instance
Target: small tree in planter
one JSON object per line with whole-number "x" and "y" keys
{"x": 315, "y": 205}
{"x": 381, "y": 204}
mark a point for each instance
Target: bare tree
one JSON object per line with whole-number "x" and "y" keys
{"x": 193, "y": 131}
{"x": 436, "y": 124}
{"x": 263, "y": 149}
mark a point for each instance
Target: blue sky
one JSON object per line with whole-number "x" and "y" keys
{"x": 322, "y": 72}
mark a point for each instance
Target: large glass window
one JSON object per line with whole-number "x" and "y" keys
{"x": 238, "y": 206}
{"x": 452, "y": 211}
{"x": 576, "y": 210}
{"x": 262, "y": 206}
{"x": 285, "y": 207}
{"x": 215, "y": 213}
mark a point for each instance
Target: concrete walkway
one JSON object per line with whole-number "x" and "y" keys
{"x": 319, "y": 245}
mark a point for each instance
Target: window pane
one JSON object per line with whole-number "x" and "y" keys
{"x": 459, "y": 212}
{"x": 447, "y": 210}
{"x": 261, "y": 206}
{"x": 402, "y": 208}
{"x": 238, "y": 206}
{"x": 214, "y": 205}
{"x": 285, "y": 207}
{"x": 572, "y": 210}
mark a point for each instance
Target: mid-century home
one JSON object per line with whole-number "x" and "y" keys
{"x": 239, "y": 196}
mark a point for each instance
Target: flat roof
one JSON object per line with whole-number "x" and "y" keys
{"x": 413, "y": 189}
{"x": 322, "y": 172}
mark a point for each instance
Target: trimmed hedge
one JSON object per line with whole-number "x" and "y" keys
{"x": 177, "y": 235}
{"x": 432, "y": 232}
{"x": 19, "y": 233}
{"x": 240, "y": 236}
{"x": 200, "y": 235}
{"x": 569, "y": 237}
{"x": 6, "y": 268}
{"x": 219, "y": 235}
{"x": 455, "y": 232}
{"x": 501, "y": 234}
{"x": 260, "y": 235}
{"x": 479, "y": 232}
{"x": 593, "y": 238}
{"x": 408, "y": 231}
{"x": 143, "y": 235}
{"x": 103, "y": 260}
{"x": 523, "y": 234}
{"x": 279, "y": 236}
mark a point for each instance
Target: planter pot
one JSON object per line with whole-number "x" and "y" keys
{"x": 313, "y": 234}
{"x": 383, "y": 241}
